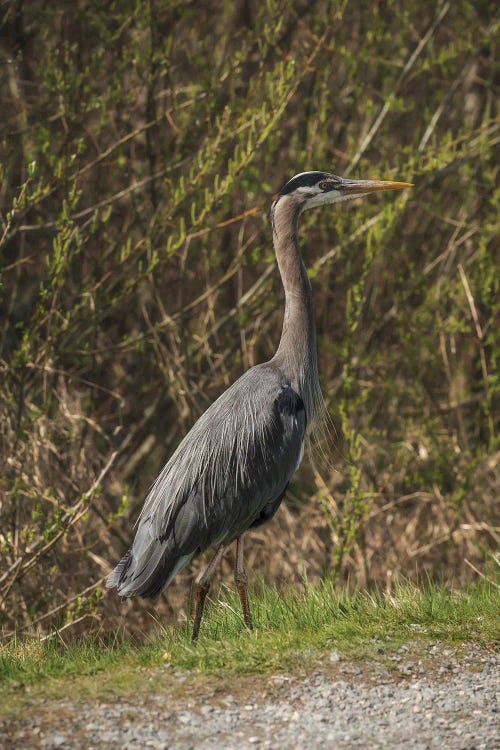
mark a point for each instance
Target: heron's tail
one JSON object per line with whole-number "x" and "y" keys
{"x": 118, "y": 573}
{"x": 146, "y": 574}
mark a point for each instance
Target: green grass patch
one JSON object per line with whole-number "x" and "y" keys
{"x": 292, "y": 629}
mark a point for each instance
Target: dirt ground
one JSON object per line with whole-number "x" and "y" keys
{"x": 420, "y": 698}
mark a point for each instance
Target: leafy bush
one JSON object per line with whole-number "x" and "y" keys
{"x": 140, "y": 147}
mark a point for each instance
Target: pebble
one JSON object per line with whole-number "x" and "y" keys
{"x": 58, "y": 740}
{"x": 335, "y": 656}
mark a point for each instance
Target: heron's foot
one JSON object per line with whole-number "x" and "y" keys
{"x": 201, "y": 591}
{"x": 241, "y": 582}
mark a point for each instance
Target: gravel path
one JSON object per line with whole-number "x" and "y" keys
{"x": 437, "y": 699}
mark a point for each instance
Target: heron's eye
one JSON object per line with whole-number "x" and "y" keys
{"x": 324, "y": 185}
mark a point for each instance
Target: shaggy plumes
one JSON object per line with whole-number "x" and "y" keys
{"x": 227, "y": 474}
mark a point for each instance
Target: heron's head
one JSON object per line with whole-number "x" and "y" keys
{"x": 310, "y": 189}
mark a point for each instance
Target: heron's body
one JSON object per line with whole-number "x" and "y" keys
{"x": 220, "y": 481}
{"x": 230, "y": 472}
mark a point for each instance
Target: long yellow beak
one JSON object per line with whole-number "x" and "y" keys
{"x": 360, "y": 187}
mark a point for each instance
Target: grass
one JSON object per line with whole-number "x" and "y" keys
{"x": 292, "y": 630}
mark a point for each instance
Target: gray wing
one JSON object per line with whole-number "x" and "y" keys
{"x": 228, "y": 474}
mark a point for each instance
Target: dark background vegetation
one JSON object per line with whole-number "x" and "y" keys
{"x": 141, "y": 143}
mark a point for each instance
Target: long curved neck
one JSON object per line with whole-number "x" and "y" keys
{"x": 297, "y": 351}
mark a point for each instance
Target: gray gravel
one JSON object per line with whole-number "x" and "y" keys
{"x": 441, "y": 701}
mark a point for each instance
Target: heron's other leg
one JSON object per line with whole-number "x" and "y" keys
{"x": 202, "y": 587}
{"x": 241, "y": 581}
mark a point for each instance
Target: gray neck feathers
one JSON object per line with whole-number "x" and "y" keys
{"x": 297, "y": 351}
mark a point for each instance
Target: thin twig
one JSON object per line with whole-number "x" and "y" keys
{"x": 476, "y": 570}
{"x": 475, "y": 317}
{"x": 480, "y": 336}
{"x": 408, "y": 66}
{"x": 65, "y": 627}
{"x": 78, "y": 512}
{"x": 55, "y": 610}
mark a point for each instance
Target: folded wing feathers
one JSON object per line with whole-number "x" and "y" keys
{"x": 224, "y": 450}
{"x": 216, "y": 452}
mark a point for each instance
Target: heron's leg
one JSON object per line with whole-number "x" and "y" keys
{"x": 202, "y": 587}
{"x": 241, "y": 581}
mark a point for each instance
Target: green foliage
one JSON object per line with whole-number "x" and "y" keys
{"x": 140, "y": 145}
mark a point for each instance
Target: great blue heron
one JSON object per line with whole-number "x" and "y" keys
{"x": 230, "y": 472}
